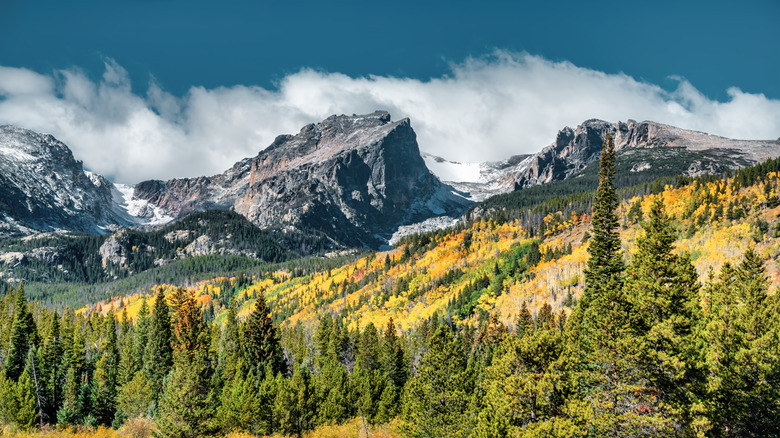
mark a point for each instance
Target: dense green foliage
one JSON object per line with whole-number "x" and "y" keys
{"x": 77, "y": 258}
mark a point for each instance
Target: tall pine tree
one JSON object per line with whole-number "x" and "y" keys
{"x": 186, "y": 410}
{"x": 263, "y": 348}
{"x": 158, "y": 356}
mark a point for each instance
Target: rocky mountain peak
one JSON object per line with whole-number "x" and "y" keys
{"x": 573, "y": 149}
{"x": 43, "y": 186}
{"x": 355, "y": 178}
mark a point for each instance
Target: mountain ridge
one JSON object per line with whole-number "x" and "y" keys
{"x": 360, "y": 179}
{"x": 357, "y": 178}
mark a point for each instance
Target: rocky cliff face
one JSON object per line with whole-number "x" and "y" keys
{"x": 574, "y": 149}
{"x": 355, "y": 178}
{"x": 43, "y": 187}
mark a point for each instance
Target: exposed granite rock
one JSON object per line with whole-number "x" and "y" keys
{"x": 356, "y": 178}
{"x": 574, "y": 149}
{"x": 112, "y": 250}
{"x": 43, "y": 186}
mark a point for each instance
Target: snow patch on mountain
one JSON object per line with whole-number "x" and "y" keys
{"x": 144, "y": 212}
{"x": 452, "y": 170}
{"x": 478, "y": 181}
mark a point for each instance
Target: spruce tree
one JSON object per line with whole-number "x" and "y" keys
{"x": 603, "y": 309}
{"x": 141, "y": 335}
{"x": 742, "y": 351}
{"x": 185, "y": 409}
{"x": 605, "y": 262}
{"x": 602, "y": 331}
{"x": 524, "y": 389}
{"x": 524, "y": 321}
{"x": 158, "y": 356}
{"x": 393, "y": 361}
{"x": 437, "y": 398}
{"x": 23, "y": 334}
{"x": 26, "y": 416}
{"x": 135, "y": 397}
{"x": 52, "y": 375}
{"x": 239, "y": 407}
{"x": 262, "y": 346}
{"x": 368, "y": 349}
{"x": 230, "y": 351}
{"x": 663, "y": 288}
{"x": 107, "y": 373}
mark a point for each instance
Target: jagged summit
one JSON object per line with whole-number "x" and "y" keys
{"x": 359, "y": 179}
{"x": 575, "y": 148}
{"x": 43, "y": 186}
{"x": 356, "y": 178}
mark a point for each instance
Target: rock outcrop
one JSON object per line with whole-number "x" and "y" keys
{"x": 355, "y": 178}
{"x": 43, "y": 187}
{"x": 574, "y": 149}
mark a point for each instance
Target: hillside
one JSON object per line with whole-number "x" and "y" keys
{"x": 208, "y": 243}
{"x": 483, "y": 266}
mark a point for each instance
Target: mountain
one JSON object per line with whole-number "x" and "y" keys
{"x": 215, "y": 241}
{"x": 43, "y": 187}
{"x": 478, "y": 181}
{"x": 359, "y": 180}
{"x": 647, "y": 150}
{"x": 487, "y": 266}
{"x": 354, "y": 178}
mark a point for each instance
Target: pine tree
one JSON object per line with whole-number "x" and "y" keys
{"x": 185, "y": 409}
{"x": 262, "y": 342}
{"x": 107, "y": 373}
{"x": 23, "y": 335}
{"x": 437, "y": 398}
{"x": 158, "y": 356}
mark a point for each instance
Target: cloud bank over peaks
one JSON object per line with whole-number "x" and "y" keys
{"x": 487, "y": 108}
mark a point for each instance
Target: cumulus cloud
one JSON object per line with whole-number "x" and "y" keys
{"x": 486, "y": 108}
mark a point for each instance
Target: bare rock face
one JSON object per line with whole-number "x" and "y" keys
{"x": 574, "y": 149}
{"x": 355, "y": 178}
{"x": 43, "y": 186}
{"x": 112, "y": 250}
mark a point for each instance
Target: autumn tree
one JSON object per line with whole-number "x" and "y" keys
{"x": 185, "y": 409}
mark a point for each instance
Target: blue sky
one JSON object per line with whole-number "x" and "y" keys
{"x": 688, "y": 63}
{"x": 713, "y": 44}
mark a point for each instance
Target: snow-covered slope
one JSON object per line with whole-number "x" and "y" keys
{"x": 477, "y": 181}
{"x": 144, "y": 212}
{"x": 44, "y": 188}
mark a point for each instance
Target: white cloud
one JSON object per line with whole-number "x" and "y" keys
{"x": 487, "y": 109}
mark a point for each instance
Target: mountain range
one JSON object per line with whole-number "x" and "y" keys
{"x": 360, "y": 180}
